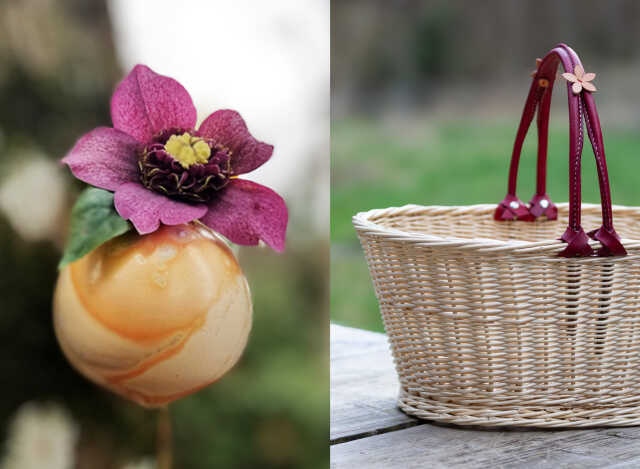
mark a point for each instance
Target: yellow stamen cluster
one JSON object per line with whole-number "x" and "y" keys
{"x": 188, "y": 150}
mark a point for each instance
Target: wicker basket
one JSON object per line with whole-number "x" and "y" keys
{"x": 491, "y": 320}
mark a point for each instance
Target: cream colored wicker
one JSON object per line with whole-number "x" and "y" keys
{"x": 488, "y": 326}
{"x": 494, "y": 321}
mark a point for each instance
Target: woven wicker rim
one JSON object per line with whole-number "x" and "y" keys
{"x": 366, "y": 222}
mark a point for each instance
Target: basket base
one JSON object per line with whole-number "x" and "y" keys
{"x": 513, "y": 416}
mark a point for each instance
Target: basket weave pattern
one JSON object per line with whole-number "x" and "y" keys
{"x": 488, "y": 326}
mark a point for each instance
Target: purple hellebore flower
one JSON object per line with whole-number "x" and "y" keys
{"x": 163, "y": 171}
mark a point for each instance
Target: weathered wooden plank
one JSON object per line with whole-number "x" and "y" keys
{"x": 449, "y": 447}
{"x": 364, "y": 386}
{"x": 368, "y": 431}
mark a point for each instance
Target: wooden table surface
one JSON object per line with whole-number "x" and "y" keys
{"x": 368, "y": 431}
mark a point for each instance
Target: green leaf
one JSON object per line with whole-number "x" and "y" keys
{"x": 94, "y": 221}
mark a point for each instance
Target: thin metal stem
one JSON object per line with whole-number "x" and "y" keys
{"x": 164, "y": 440}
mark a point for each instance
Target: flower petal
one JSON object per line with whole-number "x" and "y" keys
{"x": 576, "y": 87}
{"x": 105, "y": 158}
{"x": 589, "y": 86}
{"x": 147, "y": 209}
{"x": 246, "y": 212}
{"x": 228, "y": 128}
{"x": 588, "y": 76}
{"x": 578, "y": 71}
{"x": 569, "y": 77}
{"x": 145, "y": 103}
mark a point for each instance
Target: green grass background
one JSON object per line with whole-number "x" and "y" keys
{"x": 377, "y": 164}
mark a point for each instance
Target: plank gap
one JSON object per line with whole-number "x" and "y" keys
{"x": 377, "y": 431}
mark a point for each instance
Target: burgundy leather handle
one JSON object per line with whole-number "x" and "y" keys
{"x": 581, "y": 106}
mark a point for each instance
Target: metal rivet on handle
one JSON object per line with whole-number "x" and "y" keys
{"x": 514, "y": 205}
{"x": 544, "y": 203}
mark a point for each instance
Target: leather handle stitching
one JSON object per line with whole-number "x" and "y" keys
{"x": 596, "y": 150}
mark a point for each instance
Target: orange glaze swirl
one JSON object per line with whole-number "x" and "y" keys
{"x": 154, "y": 317}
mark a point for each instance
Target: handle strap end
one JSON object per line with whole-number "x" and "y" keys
{"x": 577, "y": 244}
{"x": 512, "y": 208}
{"x": 540, "y": 205}
{"x": 610, "y": 241}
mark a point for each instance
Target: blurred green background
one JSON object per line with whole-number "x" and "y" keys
{"x": 426, "y": 99}
{"x": 58, "y": 68}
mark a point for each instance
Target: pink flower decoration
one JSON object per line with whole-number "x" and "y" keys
{"x": 580, "y": 80}
{"x": 162, "y": 170}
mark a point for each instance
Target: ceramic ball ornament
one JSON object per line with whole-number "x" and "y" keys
{"x": 150, "y": 302}
{"x": 154, "y": 317}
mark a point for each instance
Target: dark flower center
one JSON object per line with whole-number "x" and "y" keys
{"x": 184, "y": 167}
